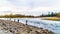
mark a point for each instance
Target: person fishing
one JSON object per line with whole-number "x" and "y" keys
{"x": 26, "y": 22}
{"x": 18, "y": 20}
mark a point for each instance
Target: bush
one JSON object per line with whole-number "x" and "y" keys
{"x": 58, "y": 15}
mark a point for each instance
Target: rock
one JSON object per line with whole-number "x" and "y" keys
{"x": 19, "y": 28}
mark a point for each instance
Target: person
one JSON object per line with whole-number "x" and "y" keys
{"x": 26, "y": 22}
{"x": 18, "y": 20}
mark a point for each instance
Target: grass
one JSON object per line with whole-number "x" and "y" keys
{"x": 52, "y": 18}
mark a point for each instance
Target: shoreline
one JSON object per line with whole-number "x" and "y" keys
{"x": 19, "y": 28}
{"x": 51, "y": 18}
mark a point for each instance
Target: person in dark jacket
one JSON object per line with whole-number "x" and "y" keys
{"x": 26, "y": 22}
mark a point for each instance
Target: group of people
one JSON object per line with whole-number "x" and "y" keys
{"x": 18, "y": 21}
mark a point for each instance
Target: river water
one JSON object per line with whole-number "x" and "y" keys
{"x": 38, "y": 22}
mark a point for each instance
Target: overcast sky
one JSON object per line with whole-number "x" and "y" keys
{"x": 33, "y": 7}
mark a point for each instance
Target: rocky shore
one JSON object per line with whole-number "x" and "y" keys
{"x": 19, "y": 28}
{"x": 2, "y": 31}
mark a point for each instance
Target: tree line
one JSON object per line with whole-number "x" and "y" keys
{"x": 51, "y": 14}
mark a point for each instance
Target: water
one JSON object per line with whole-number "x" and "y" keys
{"x": 38, "y": 22}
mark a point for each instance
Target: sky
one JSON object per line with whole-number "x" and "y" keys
{"x": 29, "y": 7}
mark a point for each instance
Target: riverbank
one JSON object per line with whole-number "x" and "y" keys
{"x": 19, "y": 28}
{"x": 2, "y": 31}
{"x": 52, "y": 18}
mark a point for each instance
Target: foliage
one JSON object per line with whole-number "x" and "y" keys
{"x": 15, "y": 16}
{"x": 58, "y": 15}
{"x": 49, "y": 14}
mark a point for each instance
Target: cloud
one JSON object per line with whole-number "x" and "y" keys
{"x": 32, "y": 4}
{"x": 28, "y": 6}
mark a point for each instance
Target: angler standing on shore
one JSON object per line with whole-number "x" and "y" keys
{"x": 26, "y": 22}
{"x": 18, "y": 20}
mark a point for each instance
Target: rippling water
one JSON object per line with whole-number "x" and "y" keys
{"x": 38, "y": 22}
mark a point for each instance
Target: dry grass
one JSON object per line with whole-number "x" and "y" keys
{"x": 52, "y": 18}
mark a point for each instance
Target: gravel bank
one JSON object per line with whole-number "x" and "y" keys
{"x": 2, "y": 31}
{"x": 19, "y": 28}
